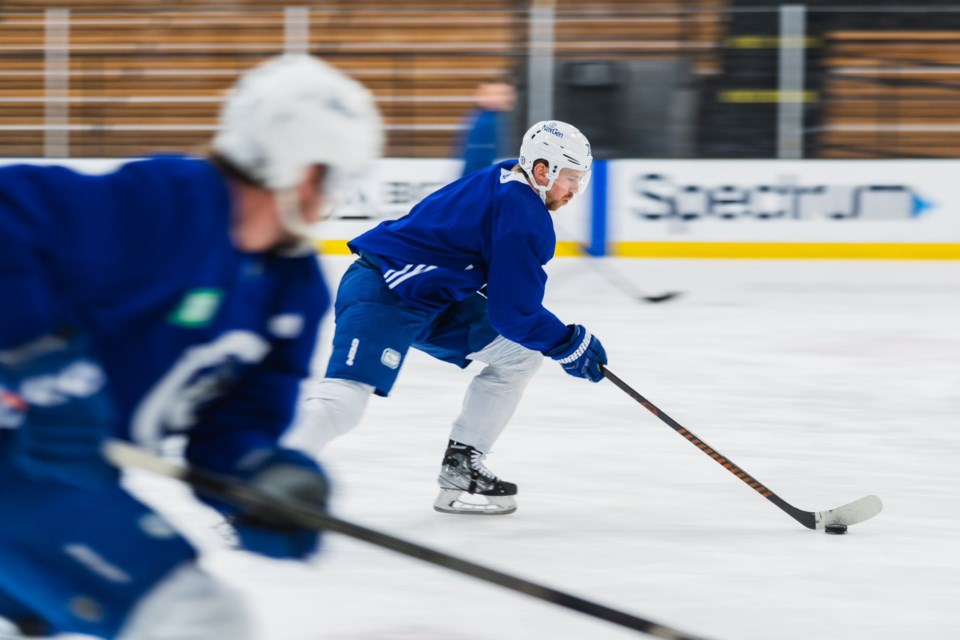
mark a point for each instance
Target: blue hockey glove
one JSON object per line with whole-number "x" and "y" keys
{"x": 286, "y": 475}
{"x": 53, "y": 398}
{"x": 581, "y": 355}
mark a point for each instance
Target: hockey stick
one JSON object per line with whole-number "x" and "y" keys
{"x": 124, "y": 455}
{"x": 852, "y": 513}
{"x": 615, "y": 278}
{"x": 624, "y": 284}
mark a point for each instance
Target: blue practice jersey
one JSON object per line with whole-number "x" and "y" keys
{"x": 194, "y": 335}
{"x": 487, "y": 228}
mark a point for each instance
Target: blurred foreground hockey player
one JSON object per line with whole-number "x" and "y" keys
{"x": 173, "y": 296}
{"x": 461, "y": 278}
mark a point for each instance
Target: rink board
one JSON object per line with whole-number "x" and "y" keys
{"x": 709, "y": 209}
{"x": 761, "y": 209}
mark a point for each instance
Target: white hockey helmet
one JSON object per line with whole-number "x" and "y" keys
{"x": 561, "y": 146}
{"x": 294, "y": 111}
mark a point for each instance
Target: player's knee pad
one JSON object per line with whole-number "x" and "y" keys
{"x": 508, "y": 361}
{"x": 330, "y": 409}
{"x": 189, "y": 605}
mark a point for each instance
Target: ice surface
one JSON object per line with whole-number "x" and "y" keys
{"x": 826, "y": 381}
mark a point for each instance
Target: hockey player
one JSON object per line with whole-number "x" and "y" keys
{"x": 461, "y": 278}
{"x": 173, "y": 296}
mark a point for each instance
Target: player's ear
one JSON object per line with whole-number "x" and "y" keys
{"x": 540, "y": 170}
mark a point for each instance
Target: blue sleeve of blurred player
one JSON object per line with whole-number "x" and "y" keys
{"x": 238, "y": 433}
{"x": 261, "y": 406}
{"x": 54, "y": 401}
{"x": 25, "y": 272}
{"x": 53, "y": 395}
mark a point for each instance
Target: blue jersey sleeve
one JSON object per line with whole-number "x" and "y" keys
{"x": 55, "y": 401}
{"x": 27, "y": 270}
{"x": 522, "y": 241}
{"x": 260, "y": 406}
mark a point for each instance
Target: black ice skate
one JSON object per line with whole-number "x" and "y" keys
{"x": 468, "y": 487}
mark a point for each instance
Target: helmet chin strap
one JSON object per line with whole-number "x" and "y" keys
{"x": 540, "y": 189}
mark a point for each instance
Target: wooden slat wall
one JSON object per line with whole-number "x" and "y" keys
{"x": 171, "y": 68}
{"x": 892, "y": 93}
{"x": 133, "y": 65}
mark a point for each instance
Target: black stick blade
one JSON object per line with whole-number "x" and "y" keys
{"x": 663, "y": 297}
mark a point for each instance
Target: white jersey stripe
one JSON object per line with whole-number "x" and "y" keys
{"x": 420, "y": 268}
{"x": 392, "y": 273}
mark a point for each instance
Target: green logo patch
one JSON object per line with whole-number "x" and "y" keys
{"x": 197, "y": 308}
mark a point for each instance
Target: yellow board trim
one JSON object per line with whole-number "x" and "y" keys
{"x": 332, "y": 247}
{"x": 787, "y": 250}
{"x": 743, "y": 250}
{"x": 568, "y": 249}
{"x": 565, "y": 249}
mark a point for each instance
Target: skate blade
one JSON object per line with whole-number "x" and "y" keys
{"x": 464, "y": 503}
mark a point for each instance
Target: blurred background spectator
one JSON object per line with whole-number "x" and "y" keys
{"x": 487, "y": 135}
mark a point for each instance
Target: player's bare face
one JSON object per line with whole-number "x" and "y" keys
{"x": 267, "y": 220}
{"x": 311, "y": 195}
{"x": 564, "y": 188}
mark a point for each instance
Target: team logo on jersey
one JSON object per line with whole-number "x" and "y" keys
{"x": 202, "y": 373}
{"x": 197, "y": 308}
{"x": 390, "y": 358}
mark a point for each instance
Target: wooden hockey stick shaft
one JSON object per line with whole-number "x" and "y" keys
{"x": 851, "y": 513}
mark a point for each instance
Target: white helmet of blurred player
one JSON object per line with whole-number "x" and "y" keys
{"x": 561, "y": 146}
{"x": 293, "y": 112}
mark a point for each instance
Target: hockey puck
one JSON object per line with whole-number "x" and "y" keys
{"x": 836, "y": 529}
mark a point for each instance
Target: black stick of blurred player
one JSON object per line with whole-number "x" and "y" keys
{"x": 621, "y": 282}
{"x": 124, "y": 455}
{"x": 615, "y": 278}
{"x": 833, "y": 520}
